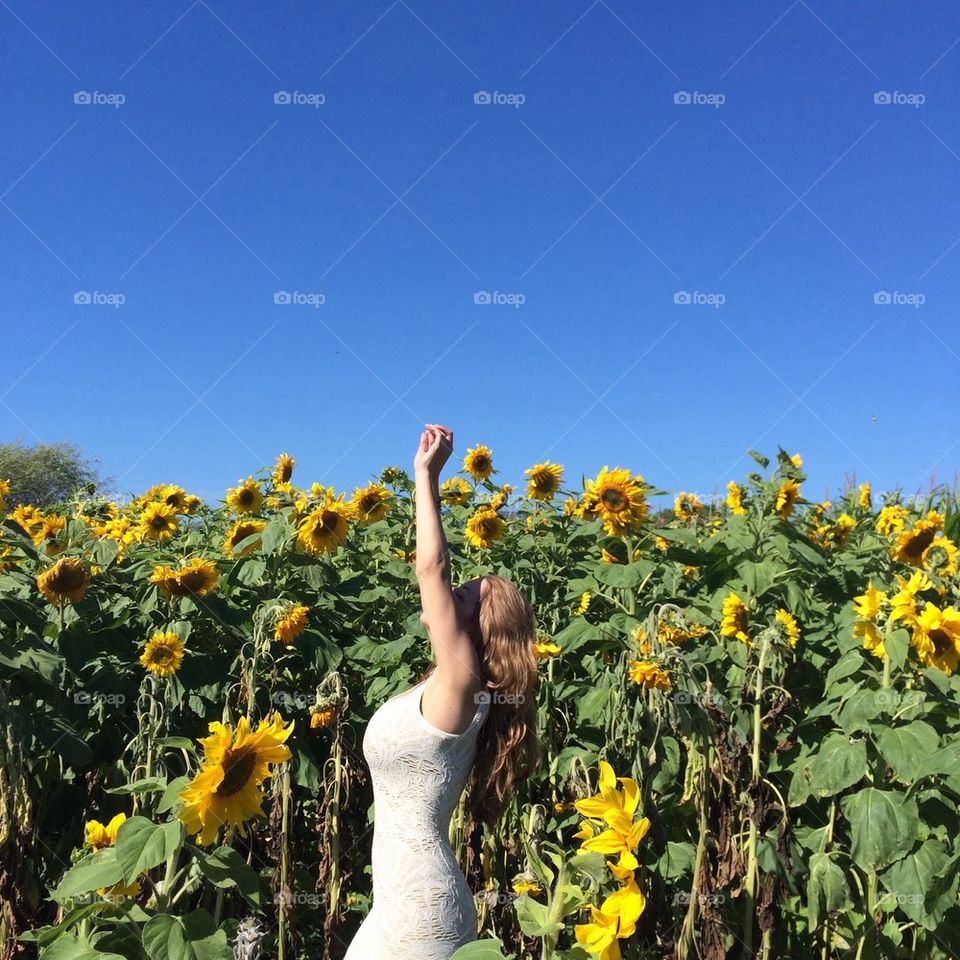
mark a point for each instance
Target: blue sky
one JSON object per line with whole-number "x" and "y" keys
{"x": 780, "y": 200}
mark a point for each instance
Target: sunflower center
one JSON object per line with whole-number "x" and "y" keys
{"x": 245, "y": 497}
{"x": 942, "y": 641}
{"x": 193, "y": 580}
{"x": 237, "y": 768}
{"x": 162, "y": 656}
{"x": 67, "y": 578}
{"x": 158, "y": 523}
{"x": 612, "y": 499}
{"x": 920, "y": 542}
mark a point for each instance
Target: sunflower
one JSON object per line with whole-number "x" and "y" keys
{"x": 735, "y": 498}
{"x": 283, "y": 469}
{"x": 191, "y": 504}
{"x": 239, "y": 532}
{"x": 735, "y": 619}
{"x": 787, "y": 497}
{"x": 911, "y": 544}
{"x": 789, "y": 626}
{"x": 583, "y": 604}
{"x": 4, "y": 492}
{"x": 674, "y": 629}
{"x": 545, "y": 480}
{"x": 65, "y": 581}
{"x": 526, "y": 888}
{"x": 904, "y": 604}
{"x": 686, "y": 506}
{"x": 483, "y": 528}
{"x": 173, "y": 496}
{"x": 940, "y": 558}
{"x": 479, "y": 462}
{"x": 797, "y": 460}
{"x": 863, "y": 497}
{"x": 157, "y": 522}
{"x": 45, "y": 536}
{"x": 936, "y": 635}
{"x": 323, "y": 717}
{"x": 371, "y": 503}
{"x": 163, "y": 654}
{"x": 872, "y": 639}
{"x": 27, "y": 517}
{"x": 891, "y": 518}
{"x": 324, "y": 530}
{"x": 649, "y": 675}
{"x": 227, "y": 788}
{"x": 455, "y": 491}
{"x": 869, "y": 603}
{"x": 546, "y": 648}
{"x": 247, "y": 498}
{"x": 291, "y": 622}
{"x": 100, "y": 835}
{"x": 196, "y": 578}
{"x": 617, "y": 498}
{"x": 121, "y": 529}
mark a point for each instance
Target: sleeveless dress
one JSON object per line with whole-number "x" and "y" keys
{"x": 422, "y": 908}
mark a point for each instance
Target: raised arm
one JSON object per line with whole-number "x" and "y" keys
{"x": 457, "y": 670}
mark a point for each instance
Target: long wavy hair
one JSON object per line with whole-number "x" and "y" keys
{"x": 508, "y": 752}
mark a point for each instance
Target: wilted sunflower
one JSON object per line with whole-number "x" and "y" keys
{"x": 194, "y": 579}
{"x": 239, "y": 532}
{"x": 787, "y": 498}
{"x": 291, "y": 622}
{"x": 618, "y": 499}
{"x": 371, "y": 503}
{"x": 157, "y": 522}
{"x": 247, "y": 498}
{"x": 66, "y": 581}
{"x": 940, "y": 558}
{"x": 324, "y": 717}
{"x": 911, "y": 544}
{"x": 478, "y": 462}
{"x": 455, "y": 491}
{"x": 227, "y": 788}
{"x": 649, "y": 675}
{"x": 324, "y": 530}
{"x": 545, "y": 480}
{"x": 936, "y": 635}
{"x": 163, "y": 654}
{"x": 99, "y": 835}
{"x": 483, "y": 528}
{"x": 735, "y": 498}
{"x": 283, "y": 469}
{"x": 735, "y": 619}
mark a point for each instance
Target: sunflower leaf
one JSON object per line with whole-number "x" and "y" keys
{"x": 100, "y": 869}
{"x": 140, "y": 846}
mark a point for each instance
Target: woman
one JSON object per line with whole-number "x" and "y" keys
{"x": 472, "y": 718}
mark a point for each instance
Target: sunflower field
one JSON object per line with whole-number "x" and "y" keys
{"x": 748, "y": 717}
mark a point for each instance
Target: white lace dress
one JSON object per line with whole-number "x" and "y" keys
{"x": 422, "y": 906}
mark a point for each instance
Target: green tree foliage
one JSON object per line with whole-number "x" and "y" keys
{"x": 45, "y": 474}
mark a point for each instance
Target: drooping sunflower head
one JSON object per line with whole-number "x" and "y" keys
{"x": 65, "y": 582}
{"x": 291, "y": 622}
{"x": 196, "y": 578}
{"x": 788, "y": 495}
{"x": 735, "y": 619}
{"x": 163, "y": 654}
{"x": 650, "y": 675}
{"x": 158, "y": 522}
{"x": 323, "y": 717}
{"x": 545, "y": 480}
{"x": 372, "y": 502}
{"x": 324, "y": 530}
{"x": 788, "y": 626}
{"x": 735, "y": 498}
{"x": 483, "y": 528}
{"x": 478, "y": 462}
{"x": 283, "y": 468}
{"x": 247, "y": 498}
{"x": 227, "y": 788}
{"x": 239, "y": 532}
{"x": 911, "y": 543}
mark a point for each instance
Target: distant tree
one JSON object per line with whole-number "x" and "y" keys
{"x": 47, "y": 473}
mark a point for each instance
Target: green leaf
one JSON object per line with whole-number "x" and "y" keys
{"x": 481, "y": 950}
{"x": 883, "y": 826}
{"x": 907, "y": 748}
{"x": 226, "y": 868}
{"x": 760, "y": 458}
{"x": 840, "y": 763}
{"x": 142, "y": 845}
{"x": 534, "y": 918}
{"x": 827, "y": 889}
{"x": 72, "y": 947}
{"x": 912, "y": 884}
{"x": 171, "y": 796}
{"x": 100, "y": 869}
{"x": 146, "y": 785}
{"x": 193, "y": 937}
{"x": 621, "y": 575}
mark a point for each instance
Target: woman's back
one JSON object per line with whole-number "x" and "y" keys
{"x": 422, "y": 907}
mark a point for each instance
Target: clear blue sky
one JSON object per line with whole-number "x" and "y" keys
{"x": 597, "y": 199}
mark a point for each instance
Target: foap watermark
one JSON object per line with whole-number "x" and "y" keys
{"x": 291, "y": 701}
{"x": 86, "y": 298}
{"x": 698, "y": 98}
{"x": 898, "y": 298}
{"x": 484, "y": 97}
{"x": 298, "y": 298}
{"x": 298, "y": 98}
{"x": 709, "y": 699}
{"x": 97, "y": 99}
{"x": 898, "y": 98}
{"x": 685, "y": 897}
{"x": 498, "y": 298}
{"x": 495, "y": 898}
{"x": 91, "y": 697}
{"x": 497, "y": 696}
{"x": 698, "y": 298}
{"x": 299, "y": 898}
